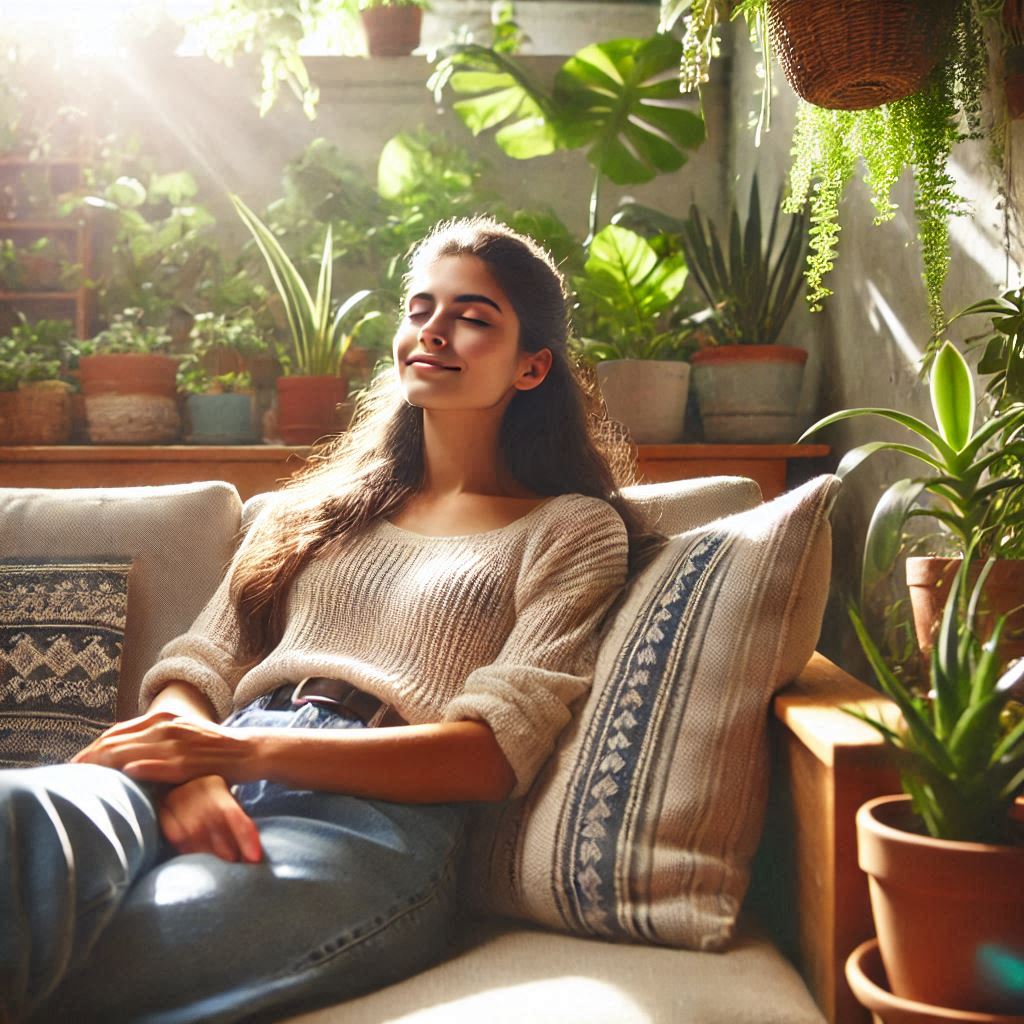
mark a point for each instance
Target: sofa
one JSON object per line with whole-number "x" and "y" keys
{"x": 806, "y": 906}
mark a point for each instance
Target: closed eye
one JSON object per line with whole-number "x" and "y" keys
{"x": 475, "y": 321}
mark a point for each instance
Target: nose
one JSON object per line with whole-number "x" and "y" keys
{"x": 431, "y": 336}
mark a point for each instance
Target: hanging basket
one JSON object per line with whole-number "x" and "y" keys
{"x": 855, "y": 54}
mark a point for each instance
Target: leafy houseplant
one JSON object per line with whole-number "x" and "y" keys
{"x": 627, "y": 294}
{"x": 961, "y": 755}
{"x": 35, "y": 406}
{"x": 959, "y": 460}
{"x": 219, "y": 406}
{"x": 917, "y": 131}
{"x": 312, "y": 389}
{"x": 129, "y": 383}
{"x": 616, "y": 100}
{"x": 748, "y": 385}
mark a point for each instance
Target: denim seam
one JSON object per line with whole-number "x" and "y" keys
{"x": 326, "y": 953}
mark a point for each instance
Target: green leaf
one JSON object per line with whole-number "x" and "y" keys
{"x": 952, "y": 393}
{"x": 128, "y": 193}
{"x": 885, "y": 531}
{"x": 175, "y": 187}
{"x": 919, "y": 427}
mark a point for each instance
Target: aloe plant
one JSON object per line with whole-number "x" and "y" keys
{"x": 750, "y": 281}
{"x": 960, "y": 458}
{"x": 318, "y": 327}
{"x": 961, "y": 748}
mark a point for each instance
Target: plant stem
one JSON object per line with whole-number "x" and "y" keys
{"x": 595, "y": 195}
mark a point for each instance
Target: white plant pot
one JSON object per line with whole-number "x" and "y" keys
{"x": 647, "y": 396}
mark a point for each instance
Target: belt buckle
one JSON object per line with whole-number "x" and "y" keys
{"x": 298, "y": 699}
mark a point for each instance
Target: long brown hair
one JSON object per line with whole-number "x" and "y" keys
{"x": 555, "y": 439}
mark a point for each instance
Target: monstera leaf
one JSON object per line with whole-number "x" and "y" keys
{"x": 501, "y": 94}
{"x": 619, "y": 100}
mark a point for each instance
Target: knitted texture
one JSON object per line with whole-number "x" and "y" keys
{"x": 498, "y": 626}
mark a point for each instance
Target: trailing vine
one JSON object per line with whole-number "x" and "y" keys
{"x": 918, "y": 132}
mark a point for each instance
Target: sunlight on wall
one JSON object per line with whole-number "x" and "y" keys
{"x": 881, "y": 315}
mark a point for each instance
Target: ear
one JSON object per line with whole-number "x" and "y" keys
{"x": 533, "y": 369}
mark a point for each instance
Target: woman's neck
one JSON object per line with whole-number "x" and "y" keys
{"x": 462, "y": 455}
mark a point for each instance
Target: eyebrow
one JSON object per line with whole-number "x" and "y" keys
{"x": 460, "y": 298}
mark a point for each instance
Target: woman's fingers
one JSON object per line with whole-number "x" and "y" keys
{"x": 202, "y": 816}
{"x": 120, "y": 730}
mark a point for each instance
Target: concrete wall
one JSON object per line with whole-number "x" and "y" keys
{"x": 866, "y": 343}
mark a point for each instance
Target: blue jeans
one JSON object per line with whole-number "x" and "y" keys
{"x": 101, "y": 921}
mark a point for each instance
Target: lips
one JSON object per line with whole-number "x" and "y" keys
{"x": 432, "y": 363}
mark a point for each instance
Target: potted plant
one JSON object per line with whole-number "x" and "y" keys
{"x": 313, "y": 388}
{"x": 917, "y": 131}
{"x": 35, "y": 402}
{"x": 129, "y": 383}
{"x": 392, "y": 27}
{"x": 945, "y": 860}
{"x": 747, "y": 383}
{"x": 978, "y": 504}
{"x": 626, "y": 296}
{"x": 219, "y": 407}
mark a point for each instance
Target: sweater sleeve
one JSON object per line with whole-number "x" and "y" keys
{"x": 547, "y": 661}
{"x": 205, "y": 655}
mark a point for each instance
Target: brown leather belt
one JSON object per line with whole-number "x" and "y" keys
{"x": 338, "y": 696}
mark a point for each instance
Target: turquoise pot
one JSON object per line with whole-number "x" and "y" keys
{"x": 221, "y": 419}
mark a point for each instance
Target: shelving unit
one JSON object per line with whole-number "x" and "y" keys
{"x": 256, "y": 468}
{"x": 63, "y": 174}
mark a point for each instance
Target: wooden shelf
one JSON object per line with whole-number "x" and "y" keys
{"x": 256, "y": 468}
{"x": 68, "y": 224}
{"x": 40, "y": 296}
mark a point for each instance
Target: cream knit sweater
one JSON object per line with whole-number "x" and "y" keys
{"x": 497, "y": 626}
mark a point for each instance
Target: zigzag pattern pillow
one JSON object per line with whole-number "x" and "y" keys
{"x": 643, "y": 823}
{"x": 61, "y": 637}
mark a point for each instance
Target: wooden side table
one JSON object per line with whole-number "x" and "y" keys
{"x": 262, "y": 467}
{"x": 765, "y": 463}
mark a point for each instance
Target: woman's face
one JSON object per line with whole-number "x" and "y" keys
{"x": 458, "y": 344}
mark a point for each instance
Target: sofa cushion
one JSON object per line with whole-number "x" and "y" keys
{"x": 643, "y": 823}
{"x": 517, "y": 974}
{"x": 180, "y": 538}
{"x": 675, "y": 506}
{"x": 61, "y": 636}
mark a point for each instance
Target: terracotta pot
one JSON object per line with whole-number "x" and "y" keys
{"x": 130, "y": 398}
{"x": 392, "y": 31}
{"x": 866, "y": 975}
{"x": 307, "y": 407}
{"x": 930, "y": 579}
{"x": 949, "y": 915}
{"x": 749, "y": 393}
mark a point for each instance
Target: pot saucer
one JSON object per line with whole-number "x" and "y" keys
{"x": 866, "y": 975}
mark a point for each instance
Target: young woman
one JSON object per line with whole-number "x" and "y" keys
{"x": 401, "y": 633}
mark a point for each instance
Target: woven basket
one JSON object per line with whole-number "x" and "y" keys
{"x": 855, "y": 54}
{"x": 36, "y": 414}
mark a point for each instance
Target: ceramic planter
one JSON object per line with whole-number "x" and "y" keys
{"x": 647, "y": 396}
{"x": 392, "y": 31}
{"x": 221, "y": 419}
{"x": 308, "y": 407}
{"x": 949, "y": 915}
{"x": 866, "y": 975}
{"x": 130, "y": 398}
{"x": 749, "y": 393}
{"x": 930, "y": 579}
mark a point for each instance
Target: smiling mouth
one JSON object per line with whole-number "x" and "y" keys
{"x": 431, "y": 366}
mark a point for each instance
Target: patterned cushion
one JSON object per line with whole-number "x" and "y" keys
{"x": 61, "y": 635}
{"x": 180, "y": 538}
{"x": 643, "y": 823}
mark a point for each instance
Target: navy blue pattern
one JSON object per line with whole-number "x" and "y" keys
{"x": 621, "y": 730}
{"x": 61, "y": 637}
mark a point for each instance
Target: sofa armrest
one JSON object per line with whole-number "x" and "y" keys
{"x": 830, "y": 764}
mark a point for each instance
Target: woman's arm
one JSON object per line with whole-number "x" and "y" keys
{"x": 446, "y": 762}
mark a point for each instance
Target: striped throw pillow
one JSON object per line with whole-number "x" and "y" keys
{"x": 642, "y": 825}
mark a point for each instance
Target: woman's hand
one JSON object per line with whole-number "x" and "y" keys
{"x": 203, "y": 817}
{"x": 163, "y": 747}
